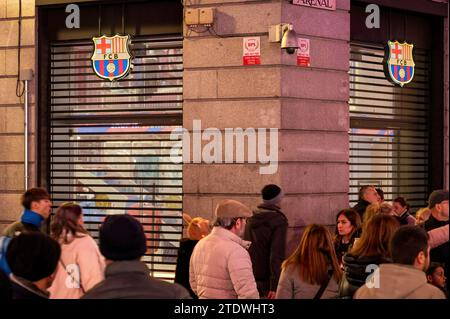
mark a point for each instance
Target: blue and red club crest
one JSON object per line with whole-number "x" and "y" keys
{"x": 111, "y": 57}
{"x": 399, "y": 63}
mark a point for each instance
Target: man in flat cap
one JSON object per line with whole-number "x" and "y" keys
{"x": 220, "y": 266}
{"x": 438, "y": 205}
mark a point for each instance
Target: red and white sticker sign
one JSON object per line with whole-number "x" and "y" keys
{"x": 251, "y": 51}
{"x": 303, "y": 56}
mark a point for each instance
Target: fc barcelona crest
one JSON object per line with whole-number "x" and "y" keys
{"x": 111, "y": 58}
{"x": 399, "y": 63}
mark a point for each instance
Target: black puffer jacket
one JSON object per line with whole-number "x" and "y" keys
{"x": 356, "y": 272}
{"x": 266, "y": 230}
{"x": 182, "y": 269}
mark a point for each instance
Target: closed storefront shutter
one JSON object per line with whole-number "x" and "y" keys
{"x": 388, "y": 127}
{"x": 110, "y": 142}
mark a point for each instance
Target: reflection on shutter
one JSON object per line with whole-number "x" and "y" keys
{"x": 110, "y": 142}
{"x": 389, "y": 132}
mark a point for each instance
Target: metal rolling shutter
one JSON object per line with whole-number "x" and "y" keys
{"x": 389, "y": 127}
{"x": 110, "y": 142}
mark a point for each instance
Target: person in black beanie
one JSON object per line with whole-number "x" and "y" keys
{"x": 33, "y": 258}
{"x": 267, "y": 229}
{"x": 123, "y": 243}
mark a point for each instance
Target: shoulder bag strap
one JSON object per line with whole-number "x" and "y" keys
{"x": 71, "y": 275}
{"x": 323, "y": 286}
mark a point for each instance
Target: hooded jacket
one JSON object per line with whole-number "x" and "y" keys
{"x": 356, "y": 271}
{"x": 399, "y": 282}
{"x": 29, "y": 221}
{"x": 266, "y": 230}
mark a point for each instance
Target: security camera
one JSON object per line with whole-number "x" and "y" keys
{"x": 285, "y": 34}
{"x": 289, "y": 40}
{"x": 290, "y": 50}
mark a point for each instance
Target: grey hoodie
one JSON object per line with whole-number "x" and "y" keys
{"x": 399, "y": 282}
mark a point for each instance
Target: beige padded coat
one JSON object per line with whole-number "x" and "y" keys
{"x": 221, "y": 268}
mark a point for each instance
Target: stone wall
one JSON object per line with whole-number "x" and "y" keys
{"x": 307, "y": 105}
{"x": 11, "y": 107}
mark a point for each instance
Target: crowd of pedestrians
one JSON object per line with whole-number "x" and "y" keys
{"x": 379, "y": 250}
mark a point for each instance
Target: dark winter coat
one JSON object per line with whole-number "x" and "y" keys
{"x": 130, "y": 279}
{"x": 182, "y": 270}
{"x": 266, "y": 230}
{"x": 5, "y": 287}
{"x": 30, "y": 221}
{"x": 356, "y": 271}
{"x": 341, "y": 249}
{"x": 360, "y": 207}
{"x": 24, "y": 289}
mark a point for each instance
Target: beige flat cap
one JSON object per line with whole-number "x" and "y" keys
{"x": 232, "y": 209}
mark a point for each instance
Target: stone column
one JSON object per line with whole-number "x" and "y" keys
{"x": 307, "y": 105}
{"x": 12, "y": 108}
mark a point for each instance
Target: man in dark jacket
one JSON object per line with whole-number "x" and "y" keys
{"x": 123, "y": 243}
{"x": 367, "y": 195}
{"x": 37, "y": 207}
{"x": 266, "y": 230}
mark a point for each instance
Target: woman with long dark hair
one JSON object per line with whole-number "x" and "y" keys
{"x": 348, "y": 224}
{"x": 81, "y": 265}
{"x": 312, "y": 271}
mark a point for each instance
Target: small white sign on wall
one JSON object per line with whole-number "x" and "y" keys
{"x": 251, "y": 47}
{"x": 303, "y": 56}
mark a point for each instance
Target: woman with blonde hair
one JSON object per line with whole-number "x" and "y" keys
{"x": 312, "y": 271}
{"x": 81, "y": 265}
{"x": 422, "y": 216}
{"x": 371, "y": 249}
{"x": 375, "y": 209}
{"x": 197, "y": 229}
{"x": 371, "y": 210}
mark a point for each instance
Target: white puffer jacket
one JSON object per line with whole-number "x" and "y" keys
{"x": 221, "y": 268}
